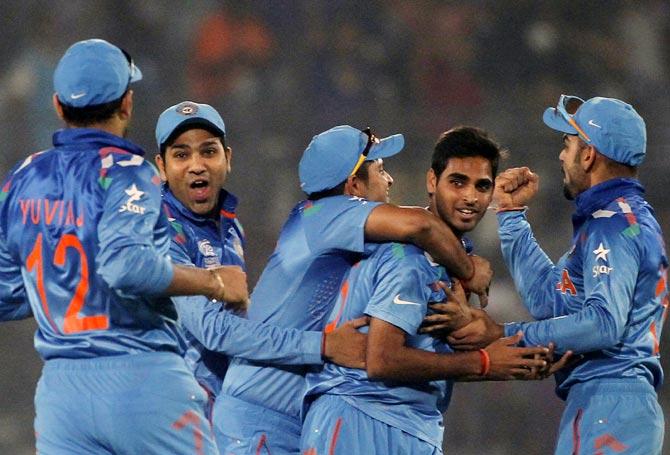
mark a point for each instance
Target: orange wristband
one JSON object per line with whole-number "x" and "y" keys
{"x": 485, "y": 362}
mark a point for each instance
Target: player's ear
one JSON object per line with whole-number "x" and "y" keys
{"x": 229, "y": 158}
{"x": 58, "y": 108}
{"x": 431, "y": 182}
{"x": 160, "y": 164}
{"x": 126, "y": 109}
{"x": 355, "y": 187}
{"x": 588, "y": 157}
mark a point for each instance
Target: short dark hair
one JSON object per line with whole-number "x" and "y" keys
{"x": 90, "y": 115}
{"x": 190, "y": 125}
{"x": 463, "y": 142}
{"x": 362, "y": 173}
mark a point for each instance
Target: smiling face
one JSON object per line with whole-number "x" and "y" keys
{"x": 378, "y": 183}
{"x": 462, "y": 193}
{"x": 195, "y": 166}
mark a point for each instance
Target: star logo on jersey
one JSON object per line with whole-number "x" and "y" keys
{"x": 398, "y": 301}
{"x": 601, "y": 252}
{"x": 134, "y": 195}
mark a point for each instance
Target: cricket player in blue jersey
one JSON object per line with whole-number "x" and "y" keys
{"x": 607, "y": 297}
{"x": 194, "y": 161}
{"x": 258, "y": 409}
{"x": 84, "y": 249}
{"x": 396, "y": 404}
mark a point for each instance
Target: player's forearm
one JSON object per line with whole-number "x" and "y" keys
{"x": 191, "y": 281}
{"x": 388, "y": 223}
{"x": 134, "y": 269}
{"x": 219, "y": 330}
{"x": 532, "y": 270}
{"x": 414, "y": 365}
{"x": 592, "y": 329}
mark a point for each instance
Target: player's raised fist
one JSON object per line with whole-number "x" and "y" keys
{"x": 515, "y": 187}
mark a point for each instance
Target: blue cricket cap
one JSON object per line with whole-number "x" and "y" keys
{"x": 333, "y": 155}
{"x": 93, "y": 72}
{"x": 188, "y": 113}
{"x": 613, "y": 127}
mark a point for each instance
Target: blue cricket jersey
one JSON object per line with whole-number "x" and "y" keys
{"x": 211, "y": 330}
{"x": 318, "y": 243}
{"x": 394, "y": 284}
{"x": 607, "y": 297}
{"x": 77, "y": 223}
{"x": 206, "y": 243}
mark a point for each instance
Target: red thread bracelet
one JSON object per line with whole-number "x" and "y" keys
{"x": 485, "y": 361}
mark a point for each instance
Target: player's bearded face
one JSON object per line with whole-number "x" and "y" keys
{"x": 195, "y": 167}
{"x": 574, "y": 176}
{"x": 462, "y": 193}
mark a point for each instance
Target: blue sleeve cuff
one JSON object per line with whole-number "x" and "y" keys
{"x": 312, "y": 348}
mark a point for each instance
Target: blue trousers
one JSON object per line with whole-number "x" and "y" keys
{"x": 243, "y": 428}
{"x": 130, "y": 404}
{"x": 334, "y": 427}
{"x": 611, "y": 416}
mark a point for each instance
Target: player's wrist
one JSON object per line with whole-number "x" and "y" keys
{"x": 217, "y": 286}
{"x": 484, "y": 363}
{"x": 516, "y": 208}
{"x": 465, "y": 280}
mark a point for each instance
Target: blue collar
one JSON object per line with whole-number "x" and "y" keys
{"x": 97, "y": 138}
{"x": 227, "y": 206}
{"x": 601, "y": 195}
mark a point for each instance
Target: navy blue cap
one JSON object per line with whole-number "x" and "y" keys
{"x": 613, "y": 127}
{"x": 93, "y": 72}
{"x": 188, "y": 112}
{"x": 331, "y": 156}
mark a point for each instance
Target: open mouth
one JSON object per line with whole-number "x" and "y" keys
{"x": 467, "y": 214}
{"x": 200, "y": 190}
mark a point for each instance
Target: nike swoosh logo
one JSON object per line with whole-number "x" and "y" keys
{"x": 78, "y": 95}
{"x": 398, "y": 301}
{"x": 594, "y": 124}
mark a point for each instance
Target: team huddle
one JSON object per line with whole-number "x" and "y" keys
{"x": 360, "y": 322}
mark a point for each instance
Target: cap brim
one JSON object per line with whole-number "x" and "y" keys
{"x": 554, "y": 120}
{"x": 191, "y": 123}
{"x": 388, "y": 146}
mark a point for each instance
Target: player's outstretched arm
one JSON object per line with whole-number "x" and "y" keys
{"x": 389, "y": 223}
{"x": 390, "y": 359}
{"x": 221, "y": 331}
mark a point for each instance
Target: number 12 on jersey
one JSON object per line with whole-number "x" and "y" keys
{"x": 72, "y": 321}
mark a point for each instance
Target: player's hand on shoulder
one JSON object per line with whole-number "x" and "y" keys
{"x": 231, "y": 287}
{"x": 480, "y": 282}
{"x": 515, "y": 187}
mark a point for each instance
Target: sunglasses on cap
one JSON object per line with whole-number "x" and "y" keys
{"x": 372, "y": 139}
{"x": 567, "y": 106}
{"x": 131, "y": 64}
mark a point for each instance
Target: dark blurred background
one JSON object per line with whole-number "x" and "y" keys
{"x": 282, "y": 71}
